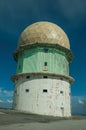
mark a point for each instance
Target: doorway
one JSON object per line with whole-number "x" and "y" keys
{"x": 62, "y": 111}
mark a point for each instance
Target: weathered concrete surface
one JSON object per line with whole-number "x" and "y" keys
{"x": 52, "y": 102}
{"x": 11, "y": 120}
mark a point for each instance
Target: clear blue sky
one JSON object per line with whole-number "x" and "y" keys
{"x": 15, "y": 15}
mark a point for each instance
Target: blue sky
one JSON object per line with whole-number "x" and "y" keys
{"x": 15, "y": 15}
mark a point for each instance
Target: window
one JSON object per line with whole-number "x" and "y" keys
{"x": 45, "y": 76}
{"x": 16, "y": 79}
{"x": 27, "y": 90}
{"x": 44, "y": 90}
{"x": 61, "y": 92}
{"x": 15, "y": 91}
{"x": 45, "y": 68}
{"x": 45, "y": 63}
{"x": 45, "y": 50}
{"x": 27, "y": 77}
{"x": 61, "y": 78}
{"x": 62, "y": 108}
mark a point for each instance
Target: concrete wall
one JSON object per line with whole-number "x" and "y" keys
{"x": 45, "y": 96}
{"x": 32, "y": 60}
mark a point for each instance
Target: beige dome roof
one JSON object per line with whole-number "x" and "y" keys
{"x": 44, "y": 32}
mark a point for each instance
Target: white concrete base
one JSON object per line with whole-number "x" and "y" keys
{"x": 45, "y": 96}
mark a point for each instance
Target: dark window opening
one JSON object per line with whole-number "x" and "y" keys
{"x": 45, "y": 76}
{"x": 16, "y": 79}
{"x": 61, "y": 92}
{"x": 45, "y": 63}
{"x": 61, "y": 78}
{"x": 45, "y": 50}
{"x": 15, "y": 91}
{"x": 62, "y": 108}
{"x": 27, "y": 90}
{"x": 27, "y": 77}
{"x": 45, "y": 90}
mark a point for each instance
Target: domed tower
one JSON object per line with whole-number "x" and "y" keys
{"x": 42, "y": 81}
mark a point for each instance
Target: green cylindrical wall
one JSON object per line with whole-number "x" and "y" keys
{"x": 33, "y": 60}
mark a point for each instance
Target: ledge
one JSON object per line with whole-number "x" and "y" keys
{"x": 32, "y": 45}
{"x": 15, "y": 77}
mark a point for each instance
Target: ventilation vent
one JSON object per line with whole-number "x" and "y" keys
{"x": 27, "y": 90}
{"x": 45, "y": 77}
{"x": 44, "y": 90}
